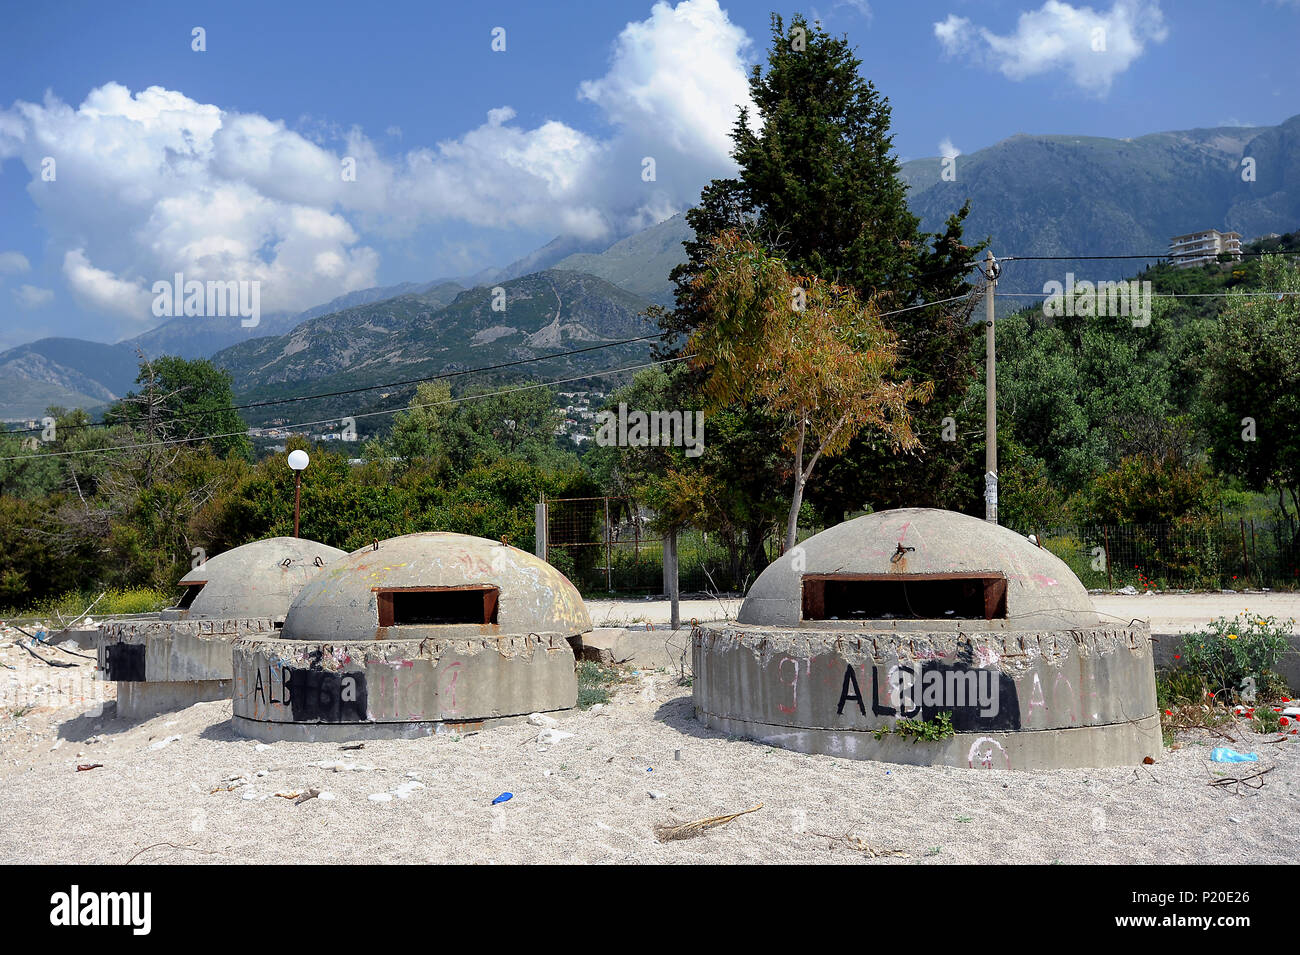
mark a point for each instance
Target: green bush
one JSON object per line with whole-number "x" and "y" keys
{"x": 1238, "y": 654}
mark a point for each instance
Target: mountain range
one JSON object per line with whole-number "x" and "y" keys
{"x": 1033, "y": 195}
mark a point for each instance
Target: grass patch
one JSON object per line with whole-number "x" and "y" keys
{"x": 594, "y": 682}
{"x": 1266, "y": 720}
{"x": 1186, "y": 702}
{"x": 115, "y": 601}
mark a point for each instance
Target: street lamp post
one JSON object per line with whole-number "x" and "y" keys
{"x": 298, "y": 461}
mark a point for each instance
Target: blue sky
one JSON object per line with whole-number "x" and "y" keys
{"x": 226, "y": 163}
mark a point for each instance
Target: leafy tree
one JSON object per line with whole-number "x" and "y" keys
{"x": 183, "y": 398}
{"x": 727, "y": 491}
{"x": 476, "y": 427}
{"x": 1252, "y": 371}
{"x": 821, "y": 367}
{"x": 1145, "y": 489}
{"x": 416, "y": 433}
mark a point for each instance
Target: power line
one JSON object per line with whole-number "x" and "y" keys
{"x": 168, "y": 442}
{"x": 358, "y": 390}
{"x": 1227, "y": 293}
{"x": 629, "y": 341}
{"x": 1157, "y": 255}
{"x": 397, "y": 384}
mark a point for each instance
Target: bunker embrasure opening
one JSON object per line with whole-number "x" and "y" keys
{"x": 894, "y": 596}
{"x": 437, "y": 606}
{"x": 187, "y": 597}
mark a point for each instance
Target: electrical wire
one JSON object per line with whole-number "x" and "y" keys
{"x": 628, "y": 341}
{"x": 358, "y": 390}
{"x": 397, "y": 384}
{"x": 168, "y": 442}
{"x": 1224, "y": 294}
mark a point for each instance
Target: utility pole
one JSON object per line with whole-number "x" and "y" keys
{"x": 990, "y": 396}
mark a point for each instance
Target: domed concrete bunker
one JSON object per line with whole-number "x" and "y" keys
{"x": 414, "y": 635}
{"x": 911, "y": 613}
{"x": 183, "y": 656}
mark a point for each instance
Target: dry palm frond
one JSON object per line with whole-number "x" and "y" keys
{"x": 689, "y": 830}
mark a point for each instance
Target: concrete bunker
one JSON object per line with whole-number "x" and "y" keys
{"x": 910, "y": 613}
{"x": 425, "y": 633}
{"x": 183, "y": 655}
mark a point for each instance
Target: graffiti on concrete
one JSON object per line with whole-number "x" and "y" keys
{"x": 981, "y": 754}
{"x": 312, "y": 695}
{"x": 977, "y": 698}
{"x": 124, "y": 662}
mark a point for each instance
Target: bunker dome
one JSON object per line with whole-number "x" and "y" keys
{"x": 919, "y": 614}
{"x": 183, "y": 656}
{"x": 412, "y": 635}
{"x": 255, "y": 581}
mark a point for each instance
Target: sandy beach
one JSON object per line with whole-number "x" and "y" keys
{"x": 181, "y": 788}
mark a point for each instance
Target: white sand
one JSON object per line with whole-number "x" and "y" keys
{"x": 595, "y": 804}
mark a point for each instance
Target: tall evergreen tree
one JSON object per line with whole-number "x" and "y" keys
{"x": 819, "y": 186}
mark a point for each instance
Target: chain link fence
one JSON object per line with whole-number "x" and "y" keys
{"x": 607, "y": 545}
{"x": 1219, "y": 555}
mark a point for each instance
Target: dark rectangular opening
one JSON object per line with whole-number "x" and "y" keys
{"x": 437, "y": 606}
{"x": 191, "y": 591}
{"x": 911, "y": 597}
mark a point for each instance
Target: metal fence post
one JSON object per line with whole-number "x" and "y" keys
{"x": 609, "y": 534}
{"x": 1110, "y": 580}
{"x": 540, "y": 520}
{"x": 1245, "y": 558}
{"x": 670, "y": 576}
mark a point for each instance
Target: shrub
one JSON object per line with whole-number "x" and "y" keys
{"x": 1238, "y": 655}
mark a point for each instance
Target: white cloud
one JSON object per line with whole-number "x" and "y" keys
{"x": 154, "y": 183}
{"x": 678, "y": 76}
{"x": 104, "y": 290}
{"x": 947, "y": 150}
{"x": 12, "y": 263}
{"x": 29, "y": 296}
{"x": 1092, "y": 47}
{"x": 151, "y": 183}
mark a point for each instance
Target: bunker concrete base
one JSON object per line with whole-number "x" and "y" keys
{"x": 170, "y": 651}
{"x": 1120, "y": 744}
{"x": 1016, "y": 699}
{"x": 139, "y": 700}
{"x": 383, "y": 689}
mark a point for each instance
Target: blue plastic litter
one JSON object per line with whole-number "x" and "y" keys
{"x": 504, "y": 797}
{"x": 1223, "y": 754}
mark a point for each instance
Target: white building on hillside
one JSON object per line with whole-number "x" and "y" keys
{"x": 1198, "y": 248}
